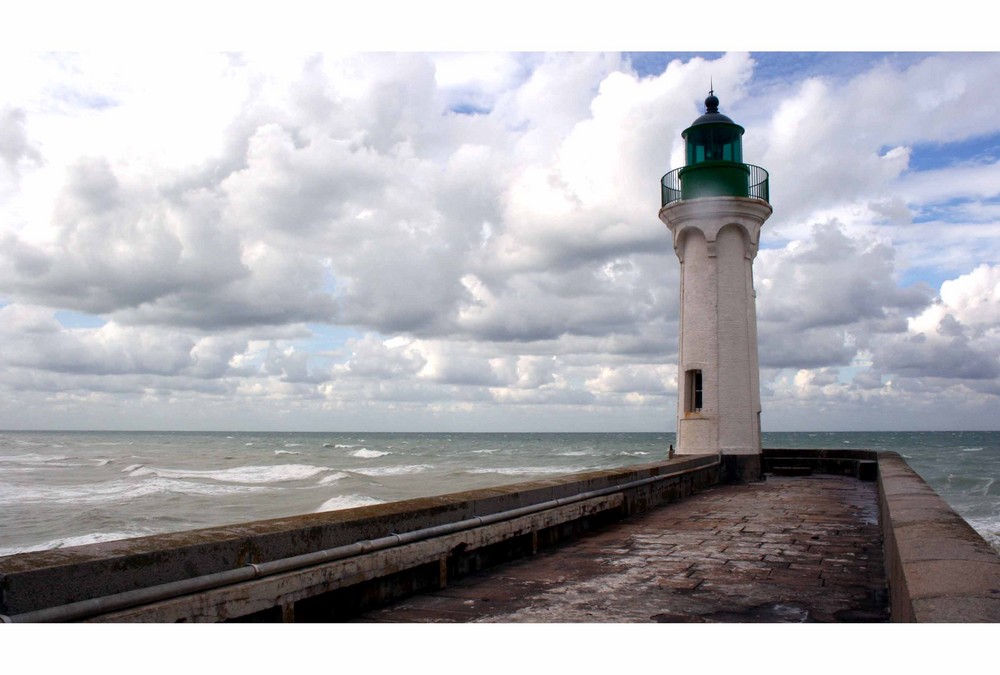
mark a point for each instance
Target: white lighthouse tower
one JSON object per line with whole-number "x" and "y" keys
{"x": 715, "y": 206}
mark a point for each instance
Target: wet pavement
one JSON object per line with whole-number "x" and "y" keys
{"x": 788, "y": 549}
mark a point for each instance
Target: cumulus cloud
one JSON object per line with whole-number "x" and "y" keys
{"x": 957, "y": 337}
{"x": 15, "y": 146}
{"x": 832, "y": 279}
{"x": 468, "y": 235}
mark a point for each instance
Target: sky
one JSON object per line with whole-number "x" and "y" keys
{"x": 465, "y": 240}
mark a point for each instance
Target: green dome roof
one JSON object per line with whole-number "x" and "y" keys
{"x": 711, "y": 116}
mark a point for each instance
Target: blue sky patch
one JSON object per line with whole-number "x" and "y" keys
{"x": 84, "y": 99}
{"x": 469, "y": 109}
{"x": 648, "y": 64}
{"x": 968, "y": 151}
{"x": 71, "y": 319}
{"x": 327, "y": 338}
{"x": 778, "y": 68}
{"x": 952, "y": 210}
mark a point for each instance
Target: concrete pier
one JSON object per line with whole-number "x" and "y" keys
{"x": 829, "y": 536}
{"x": 789, "y": 549}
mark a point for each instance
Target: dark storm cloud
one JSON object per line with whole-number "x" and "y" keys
{"x": 920, "y": 356}
{"x": 784, "y": 346}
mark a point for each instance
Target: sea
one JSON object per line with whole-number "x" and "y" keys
{"x": 67, "y": 488}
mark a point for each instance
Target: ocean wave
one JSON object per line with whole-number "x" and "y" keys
{"x": 24, "y": 441}
{"x": 972, "y": 449}
{"x": 33, "y": 458}
{"x": 365, "y": 453}
{"x": 637, "y": 453}
{"x": 965, "y": 484}
{"x": 275, "y": 473}
{"x": 347, "y": 502}
{"x": 286, "y": 452}
{"x": 988, "y": 528}
{"x": 119, "y": 491}
{"x": 519, "y": 470}
{"x": 394, "y": 470}
{"x": 79, "y": 540}
{"x": 573, "y": 453}
{"x": 34, "y": 461}
{"x": 332, "y": 478}
{"x": 257, "y": 474}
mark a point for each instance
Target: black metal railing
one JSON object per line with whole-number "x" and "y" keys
{"x": 757, "y": 186}
{"x": 672, "y": 185}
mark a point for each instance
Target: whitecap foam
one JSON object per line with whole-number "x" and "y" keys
{"x": 988, "y": 528}
{"x": 393, "y": 470}
{"x": 972, "y": 449}
{"x": 637, "y": 453}
{"x": 485, "y": 451}
{"x": 332, "y": 478}
{"x": 24, "y": 441}
{"x": 286, "y": 452}
{"x": 79, "y": 540}
{"x": 347, "y": 502}
{"x": 519, "y": 470}
{"x": 69, "y": 463}
{"x": 33, "y": 458}
{"x": 365, "y": 453}
{"x": 120, "y": 490}
{"x": 573, "y": 453}
{"x": 274, "y": 473}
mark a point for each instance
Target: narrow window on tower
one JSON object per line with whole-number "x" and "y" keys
{"x": 694, "y": 391}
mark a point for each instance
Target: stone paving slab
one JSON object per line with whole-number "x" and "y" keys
{"x": 788, "y": 549}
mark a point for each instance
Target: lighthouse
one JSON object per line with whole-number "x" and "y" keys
{"x": 714, "y": 207}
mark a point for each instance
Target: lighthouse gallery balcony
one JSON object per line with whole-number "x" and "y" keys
{"x": 714, "y": 179}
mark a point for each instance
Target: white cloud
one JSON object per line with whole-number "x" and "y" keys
{"x": 832, "y": 279}
{"x": 217, "y": 214}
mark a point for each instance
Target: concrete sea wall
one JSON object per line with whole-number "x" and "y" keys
{"x": 939, "y": 568}
{"x": 329, "y": 565}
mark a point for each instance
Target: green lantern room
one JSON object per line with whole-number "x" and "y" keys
{"x": 714, "y": 161}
